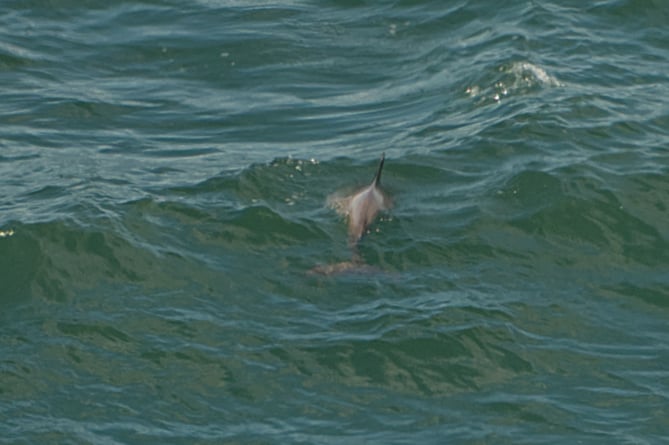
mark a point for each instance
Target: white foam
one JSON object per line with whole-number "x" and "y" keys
{"x": 538, "y": 73}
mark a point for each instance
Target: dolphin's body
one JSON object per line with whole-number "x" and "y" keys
{"x": 355, "y": 266}
{"x": 362, "y": 206}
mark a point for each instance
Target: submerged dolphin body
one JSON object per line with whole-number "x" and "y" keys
{"x": 362, "y": 206}
{"x": 355, "y": 266}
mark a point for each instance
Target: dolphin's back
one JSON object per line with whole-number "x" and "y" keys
{"x": 364, "y": 205}
{"x": 363, "y": 208}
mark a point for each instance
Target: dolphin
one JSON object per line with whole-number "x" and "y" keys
{"x": 361, "y": 209}
{"x": 362, "y": 206}
{"x": 365, "y": 205}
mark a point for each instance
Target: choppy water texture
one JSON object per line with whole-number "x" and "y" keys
{"x": 164, "y": 168}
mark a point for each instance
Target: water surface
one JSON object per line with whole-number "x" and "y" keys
{"x": 165, "y": 167}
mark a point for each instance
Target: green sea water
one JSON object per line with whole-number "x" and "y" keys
{"x": 165, "y": 166}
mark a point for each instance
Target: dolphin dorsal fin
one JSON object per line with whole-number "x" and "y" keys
{"x": 377, "y": 177}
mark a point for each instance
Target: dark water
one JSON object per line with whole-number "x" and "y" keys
{"x": 164, "y": 168}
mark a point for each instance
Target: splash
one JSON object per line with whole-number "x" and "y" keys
{"x": 530, "y": 73}
{"x": 516, "y": 79}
